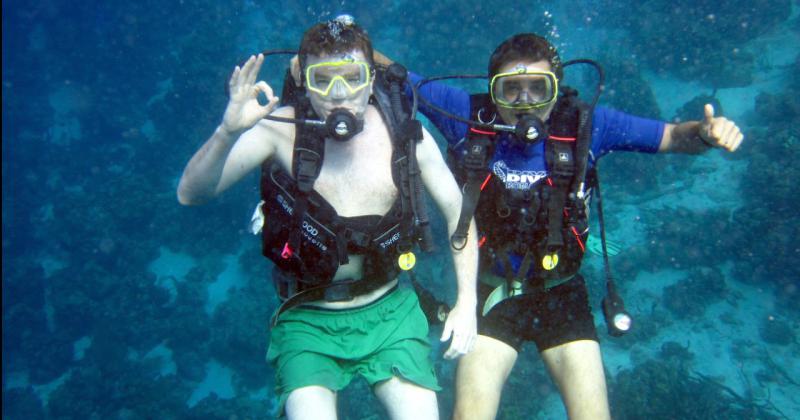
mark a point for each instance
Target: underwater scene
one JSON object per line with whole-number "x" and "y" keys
{"x": 120, "y": 303}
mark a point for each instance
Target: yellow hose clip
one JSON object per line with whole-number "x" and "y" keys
{"x": 407, "y": 261}
{"x": 550, "y": 261}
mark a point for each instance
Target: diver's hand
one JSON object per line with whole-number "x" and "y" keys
{"x": 244, "y": 111}
{"x": 720, "y": 131}
{"x": 462, "y": 325}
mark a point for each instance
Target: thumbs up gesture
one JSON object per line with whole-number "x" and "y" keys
{"x": 720, "y": 131}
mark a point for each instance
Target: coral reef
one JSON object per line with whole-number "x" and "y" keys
{"x": 694, "y": 109}
{"x": 669, "y": 390}
{"x": 778, "y": 332}
{"x": 22, "y": 404}
{"x": 769, "y": 188}
{"x": 675, "y": 242}
{"x": 689, "y": 298}
{"x": 105, "y": 102}
{"x": 239, "y": 334}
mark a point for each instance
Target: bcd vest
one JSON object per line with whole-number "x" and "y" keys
{"x": 547, "y": 225}
{"x": 303, "y": 234}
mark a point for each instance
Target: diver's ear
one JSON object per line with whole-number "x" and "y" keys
{"x": 294, "y": 66}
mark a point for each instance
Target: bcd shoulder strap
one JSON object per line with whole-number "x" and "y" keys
{"x": 472, "y": 164}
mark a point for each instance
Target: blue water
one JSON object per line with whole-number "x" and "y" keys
{"x": 119, "y": 303}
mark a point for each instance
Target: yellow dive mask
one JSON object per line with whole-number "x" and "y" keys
{"x": 340, "y": 78}
{"x": 523, "y": 88}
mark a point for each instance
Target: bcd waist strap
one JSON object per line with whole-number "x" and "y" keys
{"x": 337, "y": 291}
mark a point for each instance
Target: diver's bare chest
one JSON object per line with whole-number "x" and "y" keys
{"x": 356, "y": 178}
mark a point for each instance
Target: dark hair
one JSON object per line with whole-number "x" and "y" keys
{"x": 526, "y": 46}
{"x": 334, "y": 36}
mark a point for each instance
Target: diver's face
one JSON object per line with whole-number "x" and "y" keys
{"x": 509, "y": 115}
{"x": 342, "y": 80}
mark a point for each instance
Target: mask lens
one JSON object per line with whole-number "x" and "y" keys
{"x": 342, "y": 77}
{"x": 524, "y": 91}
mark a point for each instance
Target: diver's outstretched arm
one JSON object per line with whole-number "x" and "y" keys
{"x": 696, "y": 137}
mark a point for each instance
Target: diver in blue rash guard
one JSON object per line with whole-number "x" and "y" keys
{"x": 532, "y": 219}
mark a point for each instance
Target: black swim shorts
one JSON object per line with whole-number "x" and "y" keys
{"x": 549, "y": 318}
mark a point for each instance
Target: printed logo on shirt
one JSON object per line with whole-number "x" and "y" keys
{"x": 517, "y": 180}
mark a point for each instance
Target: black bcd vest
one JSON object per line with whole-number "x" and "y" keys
{"x": 547, "y": 224}
{"x": 305, "y": 237}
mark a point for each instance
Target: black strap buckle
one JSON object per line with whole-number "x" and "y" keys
{"x": 412, "y": 129}
{"x": 357, "y": 238}
{"x": 307, "y": 170}
{"x": 285, "y": 284}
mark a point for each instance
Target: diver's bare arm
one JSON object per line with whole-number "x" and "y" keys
{"x": 203, "y": 172}
{"x": 694, "y": 137}
{"x": 226, "y": 158}
{"x": 683, "y": 138}
{"x": 213, "y": 168}
{"x": 443, "y": 189}
{"x": 461, "y": 323}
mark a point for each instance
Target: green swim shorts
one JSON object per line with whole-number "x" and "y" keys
{"x": 386, "y": 338}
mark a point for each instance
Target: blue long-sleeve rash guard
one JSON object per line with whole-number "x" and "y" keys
{"x": 611, "y": 131}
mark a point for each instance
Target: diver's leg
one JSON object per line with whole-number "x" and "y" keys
{"x": 577, "y": 369}
{"x": 480, "y": 378}
{"x": 406, "y": 400}
{"x": 311, "y": 402}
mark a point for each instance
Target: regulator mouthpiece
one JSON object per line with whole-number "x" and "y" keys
{"x": 530, "y": 129}
{"x": 342, "y": 125}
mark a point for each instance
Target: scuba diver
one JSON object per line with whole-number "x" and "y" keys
{"x": 343, "y": 164}
{"x": 525, "y": 154}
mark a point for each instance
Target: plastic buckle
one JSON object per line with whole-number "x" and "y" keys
{"x": 287, "y": 252}
{"x": 413, "y": 130}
